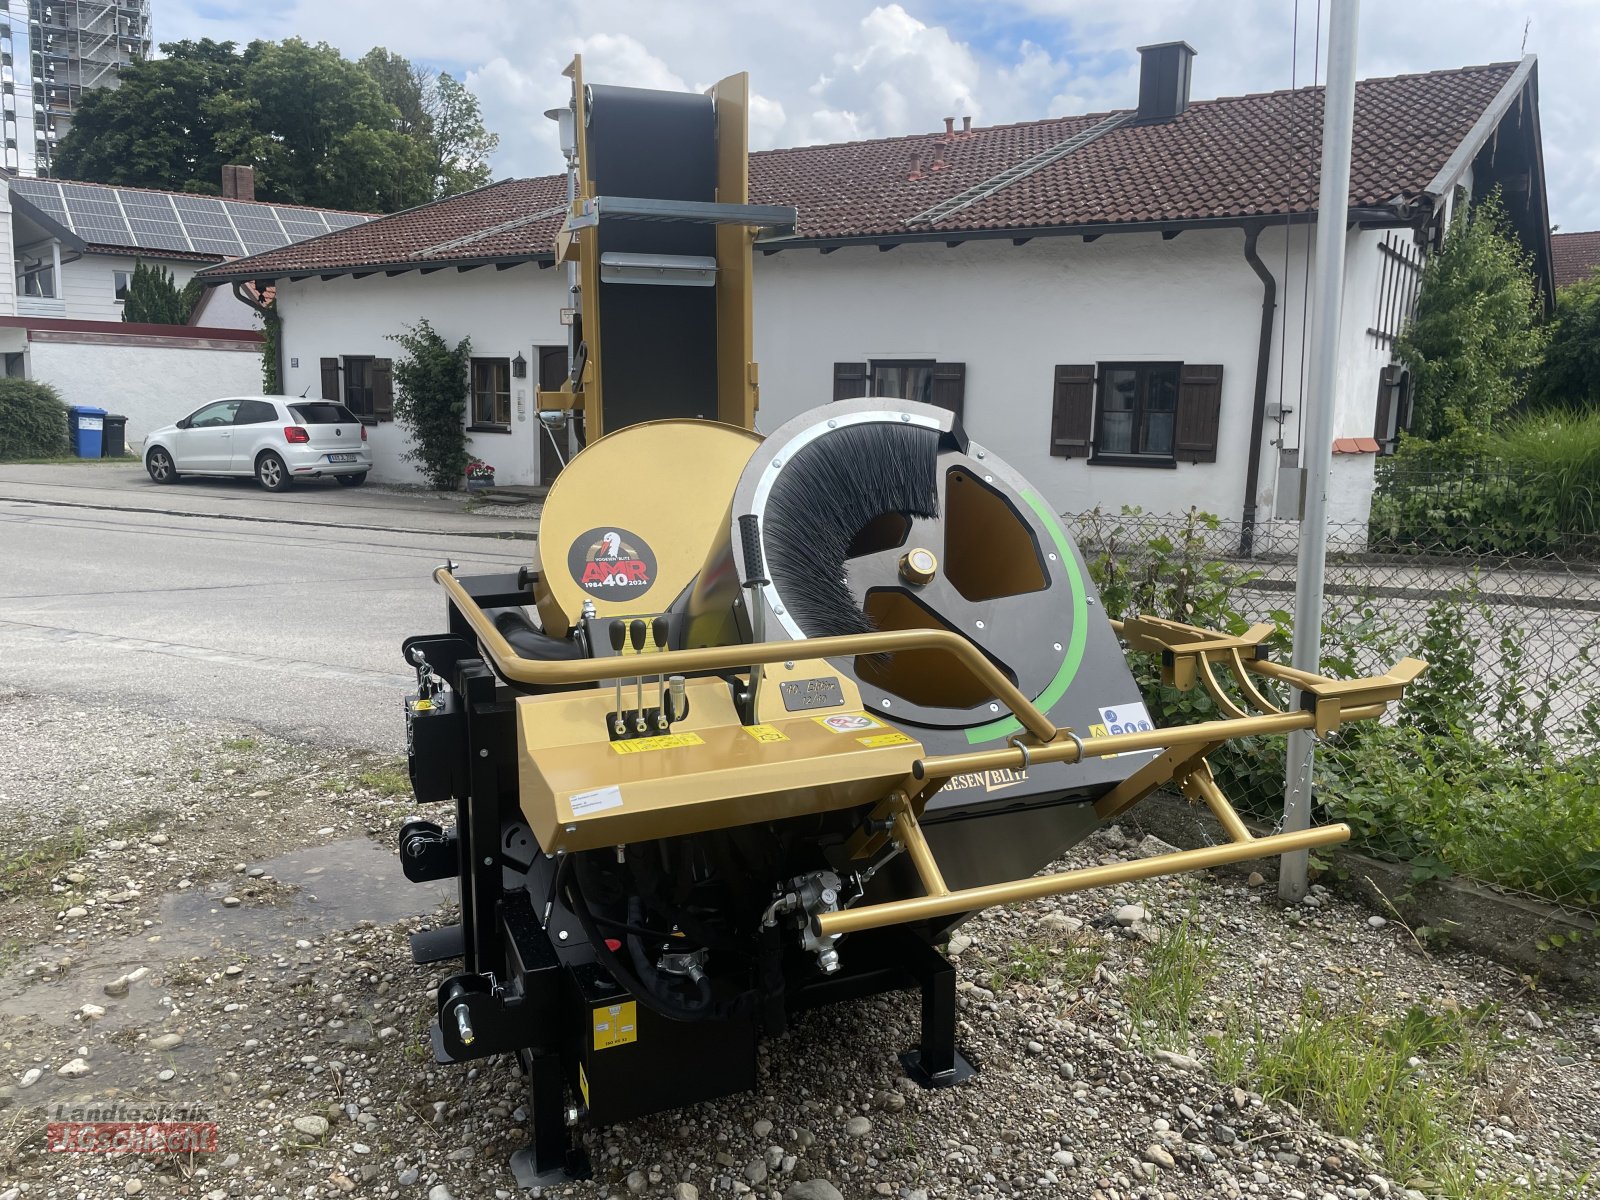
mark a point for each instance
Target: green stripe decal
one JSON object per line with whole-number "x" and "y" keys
{"x": 1073, "y": 659}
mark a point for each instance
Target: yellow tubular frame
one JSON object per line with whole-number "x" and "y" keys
{"x": 1189, "y": 656}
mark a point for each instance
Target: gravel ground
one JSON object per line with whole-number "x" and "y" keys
{"x": 197, "y": 913}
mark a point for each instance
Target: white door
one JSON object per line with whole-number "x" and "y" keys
{"x": 207, "y": 444}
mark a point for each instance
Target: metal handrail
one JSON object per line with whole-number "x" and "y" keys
{"x": 567, "y": 672}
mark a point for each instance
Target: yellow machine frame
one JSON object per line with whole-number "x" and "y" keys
{"x": 1189, "y": 655}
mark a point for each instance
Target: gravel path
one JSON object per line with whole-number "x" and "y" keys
{"x": 197, "y": 913}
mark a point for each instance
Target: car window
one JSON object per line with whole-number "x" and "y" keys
{"x": 322, "y": 412}
{"x": 213, "y": 415}
{"x": 255, "y": 412}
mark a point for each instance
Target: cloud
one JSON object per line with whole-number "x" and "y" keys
{"x": 831, "y": 70}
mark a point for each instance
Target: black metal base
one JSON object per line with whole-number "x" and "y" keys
{"x": 438, "y": 945}
{"x": 524, "y": 1167}
{"x": 959, "y": 1072}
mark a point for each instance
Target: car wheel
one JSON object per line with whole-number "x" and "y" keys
{"x": 272, "y": 474}
{"x": 160, "y": 466}
{"x": 355, "y": 480}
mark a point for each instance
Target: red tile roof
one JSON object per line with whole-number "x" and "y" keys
{"x": 1227, "y": 158}
{"x": 1575, "y": 255}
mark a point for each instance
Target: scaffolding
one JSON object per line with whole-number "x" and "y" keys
{"x": 52, "y": 52}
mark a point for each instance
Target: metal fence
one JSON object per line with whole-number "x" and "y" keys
{"x": 1490, "y": 768}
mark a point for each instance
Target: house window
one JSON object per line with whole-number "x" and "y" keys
{"x": 119, "y": 284}
{"x": 942, "y": 384}
{"x": 358, "y": 385}
{"x": 491, "y": 393}
{"x": 366, "y": 386}
{"x": 1137, "y": 410}
{"x": 39, "y": 282}
{"x": 1154, "y": 414}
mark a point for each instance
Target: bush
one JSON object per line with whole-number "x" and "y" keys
{"x": 1569, "y": 376}
{"x": 431, "y": 402}
{"x": 33, "y": 421}
{"x": 154, "y": 297}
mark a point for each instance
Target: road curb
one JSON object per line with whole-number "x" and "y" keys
{"x": 498, "y": 535}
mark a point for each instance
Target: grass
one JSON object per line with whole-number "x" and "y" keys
{"x": 1409, "y": 1085}
{"x": 71, "y": 460}
{"x": 1038, "y": 963}
{"x": 40, "y": 862}
{"x": 391, "y": 780}
{"x": 1161, "y": 1001}
{"x": 242, "y": 745}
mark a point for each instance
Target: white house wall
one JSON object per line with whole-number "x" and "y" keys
{"x": 89, "y": 288}
{"x": 1010, "y": 313}
{"x": 151, "y": 385}
{"x": 504, "y": 313}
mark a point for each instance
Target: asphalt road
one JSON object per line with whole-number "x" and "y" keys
{"x": 212, "y": 599}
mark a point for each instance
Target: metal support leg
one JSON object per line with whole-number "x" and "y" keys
{"x": 936, "y": 1062}
{"x": 552, "y": 1159}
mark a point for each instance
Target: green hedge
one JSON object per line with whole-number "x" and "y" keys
{"x": 33, "y": 421}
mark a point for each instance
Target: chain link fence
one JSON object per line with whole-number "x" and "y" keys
{"x": 1490, "y": 767}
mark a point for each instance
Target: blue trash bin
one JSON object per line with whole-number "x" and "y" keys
{"x": 87, "y": 426}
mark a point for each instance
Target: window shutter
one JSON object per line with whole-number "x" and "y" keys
{"x": 950, "y": 386}
{"x": 849, "y": 380}
{"x": 1199, "y": 412}
{"x": 1380, "y": 421}
{"x": 383, "y": 389}
{"x": 1072, "y": 411}
{"x": 330, "y": 380}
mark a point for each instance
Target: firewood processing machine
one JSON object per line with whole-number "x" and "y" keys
{"x": 769, "y": 717}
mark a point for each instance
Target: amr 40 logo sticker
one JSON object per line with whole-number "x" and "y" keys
{"x": 609, "y": 562}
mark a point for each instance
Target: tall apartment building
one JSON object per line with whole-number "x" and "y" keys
{"x": 51, "y": 53}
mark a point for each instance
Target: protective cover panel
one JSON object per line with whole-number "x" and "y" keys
{"x": 660, "y": 146}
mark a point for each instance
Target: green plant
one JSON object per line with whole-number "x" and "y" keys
{"x": 154, "y": 297}
{"x": 1161, "y": 1001}
{"x": 271, "y": 348}
{"x": 386, "y": 781}
{"x": 33, "y": 420}
{"x": 1477, "y": 332}
{"x": 1569, "y": 376}
{"x": 431, "y": 402}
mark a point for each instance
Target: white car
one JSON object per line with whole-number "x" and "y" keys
{"x": 278, "y": 439}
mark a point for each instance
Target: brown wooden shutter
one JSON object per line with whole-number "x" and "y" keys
{"x": 1072, "y": 411}
{"x": 330, "y": 380}
{"x": 1380, "y": 420}
{"x": 950, "y": 386}
{"x": 382, "y": 388}
{"x": 849, "y": 380}
{"x": 1199, "y": 412}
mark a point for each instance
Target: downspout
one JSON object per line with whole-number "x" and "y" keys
{"x": 269, "y": 315}
{"x": 1258, "y": 410}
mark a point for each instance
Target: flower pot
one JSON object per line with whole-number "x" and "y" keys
{"x": 479, "y": 485}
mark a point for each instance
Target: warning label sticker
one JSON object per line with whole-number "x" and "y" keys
{"x": 849, "y": 722}
{"x": 596, "y": 800}
{"x": 1126, "y": 718}
{"x": 885, "y": 739}
{"x": 616, "y": 1025}
{"x": 766, "y": 733}
{"x": 665, "y": 741}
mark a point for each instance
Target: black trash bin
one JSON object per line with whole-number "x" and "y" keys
{"x": 113, "y": 442}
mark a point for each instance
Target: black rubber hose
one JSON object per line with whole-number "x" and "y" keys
{"x": 648, "y": 972}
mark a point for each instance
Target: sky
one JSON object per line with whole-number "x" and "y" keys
{"x": 839, "y": 70}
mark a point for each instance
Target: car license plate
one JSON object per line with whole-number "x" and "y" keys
{"x": 333, "y": 458}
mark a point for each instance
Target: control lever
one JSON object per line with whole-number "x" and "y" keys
{"x": 680, "y": 702}
{"x": 636, "y": 632}
{"x": 755, "y": 579}
{"x": 618, "y": 631}
{"x": 658, "y": 634}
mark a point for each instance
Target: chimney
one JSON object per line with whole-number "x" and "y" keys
{"x": 916, "y": 165}
{"x": 966, "y": 126}
{"x": 1163, "y": 81}
{"x": 939, "y": 163}
{"x": 949, "y": 128}
{"x": 238, "y": 182}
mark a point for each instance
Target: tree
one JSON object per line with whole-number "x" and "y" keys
{"x": 461, "y": 144}
{"x": 1477, "y": 333}
{"x": 1570, "y": 373}
{"x": 160, "y": 127}
{"x": 154, "y": 297}
{"x": 431, "y": 402}
{"x": 375, "y": 135}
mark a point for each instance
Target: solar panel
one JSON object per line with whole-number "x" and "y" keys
{"x": 179, "y": 222}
